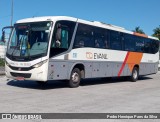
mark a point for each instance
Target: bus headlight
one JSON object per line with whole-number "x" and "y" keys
{"x": 40, "y": 64}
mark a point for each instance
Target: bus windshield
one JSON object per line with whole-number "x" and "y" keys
{"x": 29, "y": 41}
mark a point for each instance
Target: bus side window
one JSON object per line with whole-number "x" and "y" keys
{"x": 115, "y": 40}
{"x": 139, "y": 44}
{"x": 106, "y": 40}
{"x": 147, "y": 46}
{"x": 58, "y": 32}
{"x": 84, "y": 36}
{"x": 129, "y": 43}
{"x": 58, "y": 35}
{"x": 61, "y": 36}
{"x": 64, "y": 38}
{"x": 154, "y": 46}
{"x": 100, "y": 39}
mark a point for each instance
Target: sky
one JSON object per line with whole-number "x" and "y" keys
{"x": 125, "y": 13}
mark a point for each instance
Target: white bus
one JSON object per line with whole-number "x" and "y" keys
{"x": 66, "y": 48}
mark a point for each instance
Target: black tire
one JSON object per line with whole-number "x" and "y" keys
{"x": 135, "y": 74}
{"x": 75, "y": 78}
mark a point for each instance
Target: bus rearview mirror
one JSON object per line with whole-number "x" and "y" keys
{"x": 3, "y": 36}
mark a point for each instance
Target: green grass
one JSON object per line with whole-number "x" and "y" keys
{"x": 2, "y": 62}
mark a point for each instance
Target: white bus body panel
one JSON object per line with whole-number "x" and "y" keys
{"x": 96, "y": 65}
{"x": 37, "y": 74}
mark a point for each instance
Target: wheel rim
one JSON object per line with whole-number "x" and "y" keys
{"x": 75, "y": 77}
{"x": 135, "y": 74}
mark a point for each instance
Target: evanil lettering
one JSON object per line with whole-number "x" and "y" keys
{"x": 100, "y": 56}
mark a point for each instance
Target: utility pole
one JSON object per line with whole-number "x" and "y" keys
{"x": 11, "y": 12}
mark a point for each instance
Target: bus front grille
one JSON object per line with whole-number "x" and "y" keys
{"x": 25, "y": 75}
{"x": 21, "y": 68}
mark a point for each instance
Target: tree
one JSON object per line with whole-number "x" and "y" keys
{"x": 138, "y": 30}
{"x": 157, "y": 32}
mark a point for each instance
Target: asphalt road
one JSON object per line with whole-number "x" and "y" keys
{"x": 93, "y": 96}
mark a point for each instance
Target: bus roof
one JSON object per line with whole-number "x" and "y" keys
{"x": 93, "y": 23}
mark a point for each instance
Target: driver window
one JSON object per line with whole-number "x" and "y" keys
{"x": 62, "y": 34}
{"x": 62, "y": 37}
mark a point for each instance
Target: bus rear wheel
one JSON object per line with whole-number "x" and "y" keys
{"x": 135, "y": 74}
{"x": 75, "y": 78}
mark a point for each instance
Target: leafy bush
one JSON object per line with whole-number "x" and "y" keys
{"x": 2, "y": 62}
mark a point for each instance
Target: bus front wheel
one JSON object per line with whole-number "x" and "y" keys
{"x": 135, "y": 74}
{"x": 75, "y": 78}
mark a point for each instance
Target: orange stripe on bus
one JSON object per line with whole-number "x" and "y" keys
{"x": 123, "y": 65}
{"x": 139, "y": 34}
{"x": 131, "y": 59}
{"x": 134, "y": 58}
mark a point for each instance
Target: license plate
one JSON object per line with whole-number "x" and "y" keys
{"x": 20, "y": 78}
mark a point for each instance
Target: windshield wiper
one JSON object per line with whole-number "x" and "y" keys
{"x": 23, "y": 46}
{"x": 15, "y": 48}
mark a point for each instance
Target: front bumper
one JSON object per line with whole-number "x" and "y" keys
{"x": 35, "y": 74}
